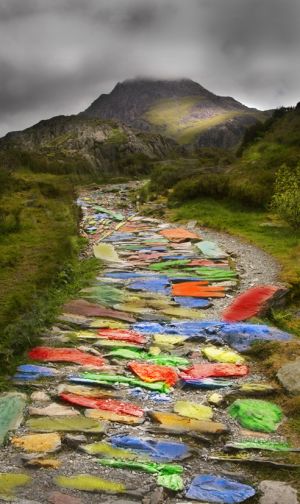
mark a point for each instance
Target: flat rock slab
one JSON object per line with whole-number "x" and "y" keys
{"x": 62, "y": 498}
{"x": 53, "y": 410}
{"x": 86, "y": 309}
{"x": 277, "y": 492}
{"x": 289, "y": 376}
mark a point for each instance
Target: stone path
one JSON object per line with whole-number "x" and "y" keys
{"x": 140, "y": 392}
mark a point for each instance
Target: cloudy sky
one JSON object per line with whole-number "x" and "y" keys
{"x": 57, "y": 56}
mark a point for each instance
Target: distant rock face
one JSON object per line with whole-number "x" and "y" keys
{"x": 181, "y": 109}
{"x": 97, "y": 143}
{"x": 289, "y": 376}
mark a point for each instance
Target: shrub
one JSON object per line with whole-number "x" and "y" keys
{"x": 286, "y": 198}
{"x": 208, "y": 185}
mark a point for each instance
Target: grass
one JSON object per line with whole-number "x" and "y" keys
{"x": 39, "y": 248}
{"x": 176, "y": 117}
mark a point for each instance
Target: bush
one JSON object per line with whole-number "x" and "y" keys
{"x": 286, "y": 198}
{"x": 208, "y": 185}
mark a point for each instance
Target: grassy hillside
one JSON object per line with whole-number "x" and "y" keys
{"x": 186, "y": 118}
{"x": 39, "y": 248}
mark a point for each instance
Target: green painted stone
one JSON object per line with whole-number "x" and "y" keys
{"x": 256, "y": 415}
{"x": 88, "y": 483}
{"x": 149, "y": 467}
{"x": 66, "y": 424}
{"x": 104, "y": 378}
{"x": 211, "y": 250}
{"x": 168, "y": 264}
{"x": 259, "y": 444}
{"x": 11, "y": 413}
{"x": 160, "y": 359}
{"x": 171, "y": 481}
{"x": 116, "y": 216}
{"x": 9, "y": 482}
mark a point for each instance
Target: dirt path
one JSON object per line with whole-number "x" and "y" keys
{"x": 137, "y": 298}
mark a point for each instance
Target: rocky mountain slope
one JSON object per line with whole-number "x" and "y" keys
{"x": 94, "y": 143}
{"x": 180, "y": 109}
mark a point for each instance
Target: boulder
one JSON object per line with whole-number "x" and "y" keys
{"x": 289, "y": 376}
{"x": 277, "y": 492}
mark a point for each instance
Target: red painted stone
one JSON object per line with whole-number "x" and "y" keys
{"x": 152, "y": 373}
{"x": 120, "y": 407}
{"x": 122, "y": 335}
{"x": 49, "y": 354}
{"x": 251, "y": 303}
{"x": 214, "y": 370}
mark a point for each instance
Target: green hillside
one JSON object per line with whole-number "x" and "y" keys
{"x": 184, "y": 119}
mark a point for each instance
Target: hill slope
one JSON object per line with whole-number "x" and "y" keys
{"x": 88, "y": 144}
{"x": 181, "y": 109}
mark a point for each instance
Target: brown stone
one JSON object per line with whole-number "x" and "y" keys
{"x": 61, "y": 498}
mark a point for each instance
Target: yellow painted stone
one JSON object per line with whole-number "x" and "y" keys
{"x": 38, "y": 443}
{"x": 106, "y": 450}
{"x": 163, "y": 340}
{"x": 85, "y": 391}
{"x": 98, "y": 414}
{"x": 46, "y": 463}
{"x": 220, "y": 354}
{"x": 183, "y": 313}
{"x": 9, "y": 482}
{"x": 65, "y": 424}
{"x": 89, "y": 483}
{"x": 215, "y": 398}
{"x": 171, "y": 421}
{"x": 110, "y": 324}
{"x": 106, "y": 252}
{"x": 193, "y": 410}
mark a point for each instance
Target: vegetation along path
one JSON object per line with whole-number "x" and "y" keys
{"x": 148, "y": 388}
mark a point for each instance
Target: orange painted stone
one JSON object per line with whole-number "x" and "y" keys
{"x": 179, "y": 235}
{"x": 152, "y": 373}
{"x": 197, "y": 289}
{"x": 49, "y": 354}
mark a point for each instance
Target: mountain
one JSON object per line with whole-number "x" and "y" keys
{"x": 180, "y": 109}
{"x": 87, "y": 143}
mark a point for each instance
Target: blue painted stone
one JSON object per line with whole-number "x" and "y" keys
{"x": 41, "y": 370}
{"x": 207, "y": 383}
{"x": 162, "y": 451}
{"x": 210, "y": 488}
{"x": 191, "y": 302}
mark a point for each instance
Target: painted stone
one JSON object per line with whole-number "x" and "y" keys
{"x": 65, "y": 355}
{"x": 113, "y": 405}
{"x": 220, "y": 354}
{"x": 210, "y": 488}
{"x": 106, "y": 253}
{"x": 105, "y": 295}
{"x": 259, "y": 444}
{"x": 105, "y": 378}
{"x": 211, "y": 250}
{"x": 49, "y": 463}
{"x": 256, "y": 415}
{"x": 65, "y": 424}
{"x": 123, "y": 335}
{"x": 82, "y": 390}
{"x": 103, "y": 449}
{"x": 154, "y": 373}
{"x": 12, "y": 407}
{"x": 171, "y": 421}
{"x": 89, "y": 483}
{"x": 168, "y": 341}
{"x": 190, "y": 302}
{"x": 9, "y": 482}
{"x": 179, "y": 235}
{"x": 186, "y": 313}
{"x": 193, "y": 410}
{"x": 160, "y": 451}
{"x": 255, "y": 301}
{"x": 53, "y": 410}
{"x": 214, "y": 370}
{"x": 215, "y": 399}
{"x": 87, "y": 309}
{"x": 38, "y": 443}
{"x": 197, "y": 289}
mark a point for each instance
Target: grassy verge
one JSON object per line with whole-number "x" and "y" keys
{"x": 39, "y": 249}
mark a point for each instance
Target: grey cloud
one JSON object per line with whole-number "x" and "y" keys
{"x": 56, "y": 56}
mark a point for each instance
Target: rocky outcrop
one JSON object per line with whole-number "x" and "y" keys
{"x": 100, "y": 144}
